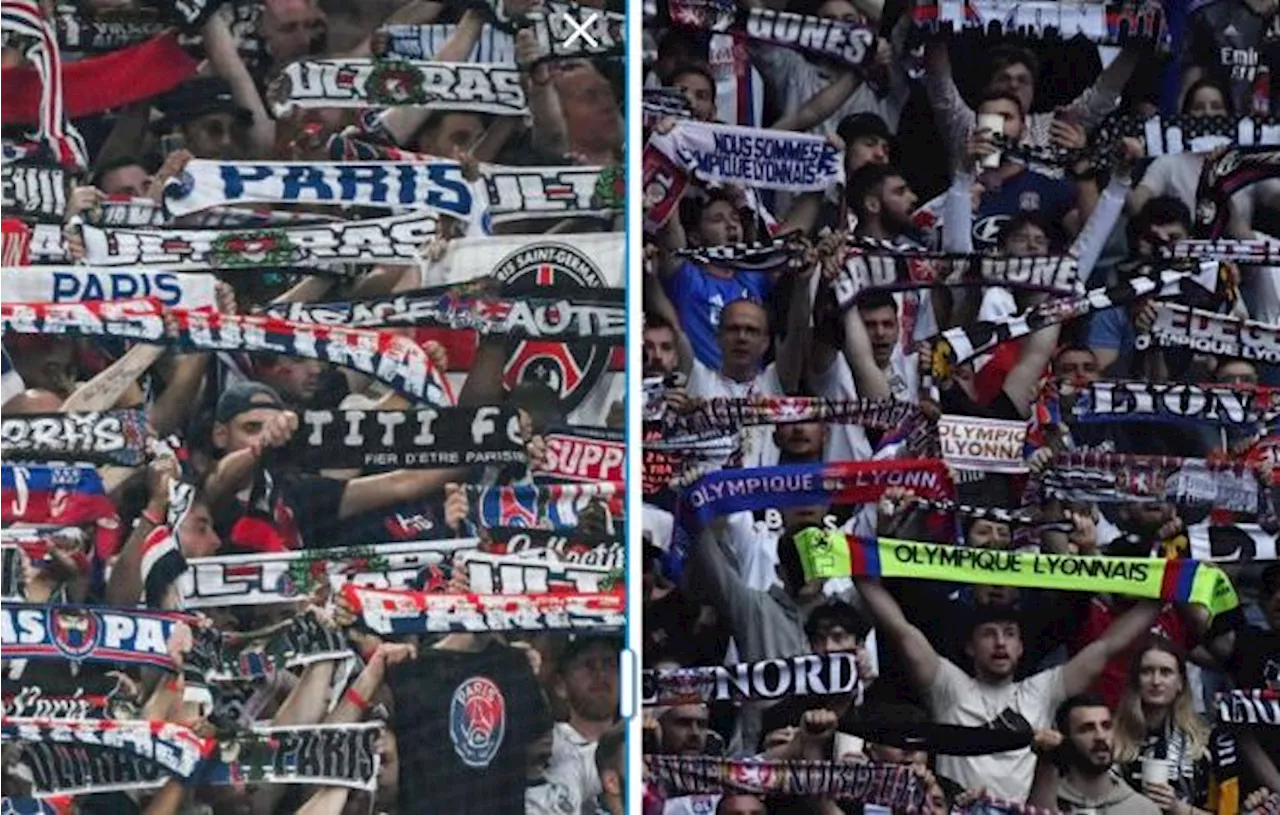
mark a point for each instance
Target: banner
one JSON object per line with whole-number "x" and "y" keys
{"x": 88, "y": 633}
{"x": 571, "y": 546}
{"x": 592, "y": 316}
{"x": 1179, "y": 326}
{"x": 1232, "y": 543}
{"x": 75, "y": 284}
{"x": 410, "y": 612}
{"x": 285, "y": 577}
{"x": 424, "y": 438}
{"x": 516, "y": 575}
{"x": 985, "y": 445}
{"x": 1101, "y": 23}
{"x": 1123, "y": 478}
{"x": 436, "y": 186}
{"x": 1105, "y": 401}
{"x": 397, "y": 239}
{"x": 113, "y": 437}
{"x": 33, "y": 193}
{"x": 819, "y": 674}
{"x": 1175, "y": 581}
{"x": 798, "y": 485}
{"x": 1249, "y": 706}
{"x": 727, "y": 154}
{"x": 893, "y": 786}
{"x": 492, "y": 89}
{"x": 585, "y": 454}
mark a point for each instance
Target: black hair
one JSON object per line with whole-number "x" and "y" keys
{"x": 1158, "y": 211}
{"x": 114, "y": 164}
{"x": 1062, "y": 717}
{"x": 654, "y": 320}
{"x": 692, "y": 209}
{"x": 835, "y": 613}
{"x": 690, "y": 67}
{"x": 1201, "y": 84}
{"x": 992, "y": 96}
{"x": 1003, "y": 56}
{"x": 864, "y": 181}
{"x": 992, "y": 613}
{"x": 877, "y": 299}
{"x": 1016, "y": 222}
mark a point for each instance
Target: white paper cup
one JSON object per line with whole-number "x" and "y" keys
{"x": 1155, "y": 771}
{"x": 994, "y": 123}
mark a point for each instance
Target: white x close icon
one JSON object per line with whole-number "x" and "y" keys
{"x": 580, "y": 30}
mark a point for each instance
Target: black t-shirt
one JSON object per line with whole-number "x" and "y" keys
{"x": 1229, "y": 40}
{"x": 955, "y": 401}
{"x": 463, "y": 723}
{"x": 1255, "y": 663}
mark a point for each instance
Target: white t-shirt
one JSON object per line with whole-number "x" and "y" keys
{"x": 957, "y": 698}
{"x": 1179, "y": 175}
{"x": 573, "y": 767}
{"x": 755, "y": 441}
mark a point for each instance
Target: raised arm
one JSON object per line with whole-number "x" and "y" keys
{"x": 921, "y": 660}
{"x": 220, "y": 45}
{"x": 403, "y": 122}
{"x": 1086, "y": 666}
{"x": 870, "y": 380}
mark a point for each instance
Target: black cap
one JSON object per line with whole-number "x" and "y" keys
{"x": 245, "y": 396}
{"x": 579, "y": 645}
{"x": 199, "y": 97}
{"x": 856, "y": 125}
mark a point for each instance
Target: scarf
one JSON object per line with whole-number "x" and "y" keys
{"x": 960, "y": 344}
{"x": 872, "y": 266}
{"x": 30, "y": 700}
{"x": 301, "y": 641}
{"x": 98, "y": 84}
{"x": 95, "y": 756}
{"x": 113, "y": 437}
{"x": 765, "y": 256}
{"x": 426, "y": 438}
{"x": 555, "y": 29}
{"x": 1231, "y": 172}
{"x": 1254, "y": 706}
{"x": 60, "y": 495}
{"x": 391, "y": 359}
{"x": 983, "y": 445}
{"x": 72, "y": 284}
{"x": 515, "y": 193}
{"x": 34, "y": 193}
{"x": 940, "y": 739}
{"x": 512, "y": 575}
{"x": 285, "y": 577}
{"x": 819, "y": 674}
{"x": 1124, "y": 478}
{"x": 162, "y": 565}
{"x": 584, "y": 454}
{"x": 1234, "y": 543}
{"x": 1206, "y": 332}
{"x": 1262, "y": 252}
{"x": 848, "y": 43}
{"x": 588, "y": 316}
{"x": 361, "y": 82}
{"x": 726, "y": 154}
{"x": 664, "y": 103}
{"x": 1100, "y": 23}
{"x": 95, "y": 35}
{"x": 573, "y": 547}
{"x": 888, "y": 785}
{"x": 55, "y": 135}
{"x": 421, "y": 42}
{"x": 436, "y": 186}
{"x": 798, "y": 485}
{"x": 554, "y": 506}
{"x": 411, "y": 612}
{"x": 708, "y": 419}
{"x": 89, "y": 633}
{"x": 16, "y": 249}
{"x": 1105, "y": 401}
{"x": 398, "y": 239}
{"x": 832, "y": 553}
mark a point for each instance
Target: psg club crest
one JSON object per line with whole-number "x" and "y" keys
{"x": 75, "y": 632}
{"x": 570, "y": 370}
{"x": 477, "y": 721}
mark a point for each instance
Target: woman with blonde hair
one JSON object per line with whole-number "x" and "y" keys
{"x": 1155, "y": 722}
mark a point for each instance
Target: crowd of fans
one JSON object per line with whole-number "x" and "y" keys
{"x": 472, "y": 720}
{"x": 956, "y": 146}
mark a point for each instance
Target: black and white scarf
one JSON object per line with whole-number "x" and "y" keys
{"x": 517, "y": 575}
{"x": 1100, "y": 23}
{"x": 1116, "y": 401}
{"x": 1123, "y": 478}
{"x": 868, "y": 267}
{"x": 112, "y": 437}
{"x": 1206, "y": 332}
{"x": 34, "y": 193}
{"x": 755, "y": 257}
{"x": 888, "y": 785}
{"x": 1259, "y": 252}
{"x": 1253, "y": 706}
{"x": 361, "y": 82}
{"x": 820, "y": 674}
{"x": 1228, "y": 174}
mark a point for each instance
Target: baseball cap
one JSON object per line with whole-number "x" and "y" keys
{"x": 856, "y": 125}
{"x": 199, "y": 97}
{"x": 243, "y": 397}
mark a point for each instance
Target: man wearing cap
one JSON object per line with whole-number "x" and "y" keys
{"x": 587, "y": 682}
{"x": 285, "y": 511}
{"x": 207, "y": 117}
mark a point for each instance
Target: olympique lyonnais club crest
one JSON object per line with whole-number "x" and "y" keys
{"x": 265, "y": 248}
{"x": 74, "y": 632}
{"x": 477, "y": 721}
{"x": 570, "y": 370}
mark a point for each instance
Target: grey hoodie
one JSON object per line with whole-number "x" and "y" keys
{"x": 1121, "y": 799}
